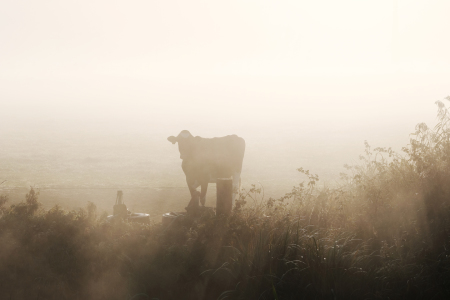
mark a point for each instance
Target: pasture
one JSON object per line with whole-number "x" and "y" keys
{"x": 382, "y": 232}
{"x": 75, "y": 164}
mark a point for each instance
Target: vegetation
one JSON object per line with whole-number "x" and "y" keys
{"x": 382, "y": 234}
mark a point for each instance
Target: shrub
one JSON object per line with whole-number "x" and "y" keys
{"x": 383, "y": 233}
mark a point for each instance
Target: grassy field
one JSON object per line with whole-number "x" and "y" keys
{"x": 154, "y": 201}
{"x": 73, "y": 165}
{"x": 383, "y": 232}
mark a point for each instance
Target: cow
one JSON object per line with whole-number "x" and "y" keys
{"x": 206, "y": 159}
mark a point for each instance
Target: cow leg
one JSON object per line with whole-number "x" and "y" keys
{"x": 192, "y": 185}
{"x": 203, "y": 193}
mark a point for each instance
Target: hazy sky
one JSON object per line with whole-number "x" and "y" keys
{"x": 214, "y": 60}
{"x": 304, "y": 82}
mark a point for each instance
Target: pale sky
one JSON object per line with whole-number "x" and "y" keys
{"x": 150, "y": 59}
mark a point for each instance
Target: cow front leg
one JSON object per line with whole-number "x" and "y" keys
{"x": 192, "y": 185}
{"x": 203, "y": 193}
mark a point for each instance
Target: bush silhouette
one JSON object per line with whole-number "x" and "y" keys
{"x": 382, "y": 233}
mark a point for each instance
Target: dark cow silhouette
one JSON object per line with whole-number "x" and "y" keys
{"x": 205, "y": 160}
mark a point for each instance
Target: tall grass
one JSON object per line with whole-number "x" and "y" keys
{"x": 382, "y": 234}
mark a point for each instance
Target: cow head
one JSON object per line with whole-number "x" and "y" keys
{"x": 185, "y": 140}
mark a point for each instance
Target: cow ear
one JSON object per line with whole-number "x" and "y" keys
{"x": 172, "y": 139}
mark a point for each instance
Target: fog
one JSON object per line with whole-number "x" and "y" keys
{"x": 90, "y": 91}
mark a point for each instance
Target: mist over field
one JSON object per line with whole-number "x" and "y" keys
{"x": 91, "y": 90}
{"x": 318, "y": 123}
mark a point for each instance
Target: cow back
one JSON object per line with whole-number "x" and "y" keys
{"x": 220, "y": 156}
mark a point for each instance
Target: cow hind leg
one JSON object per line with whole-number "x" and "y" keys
{"x": 203, "y": 193}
